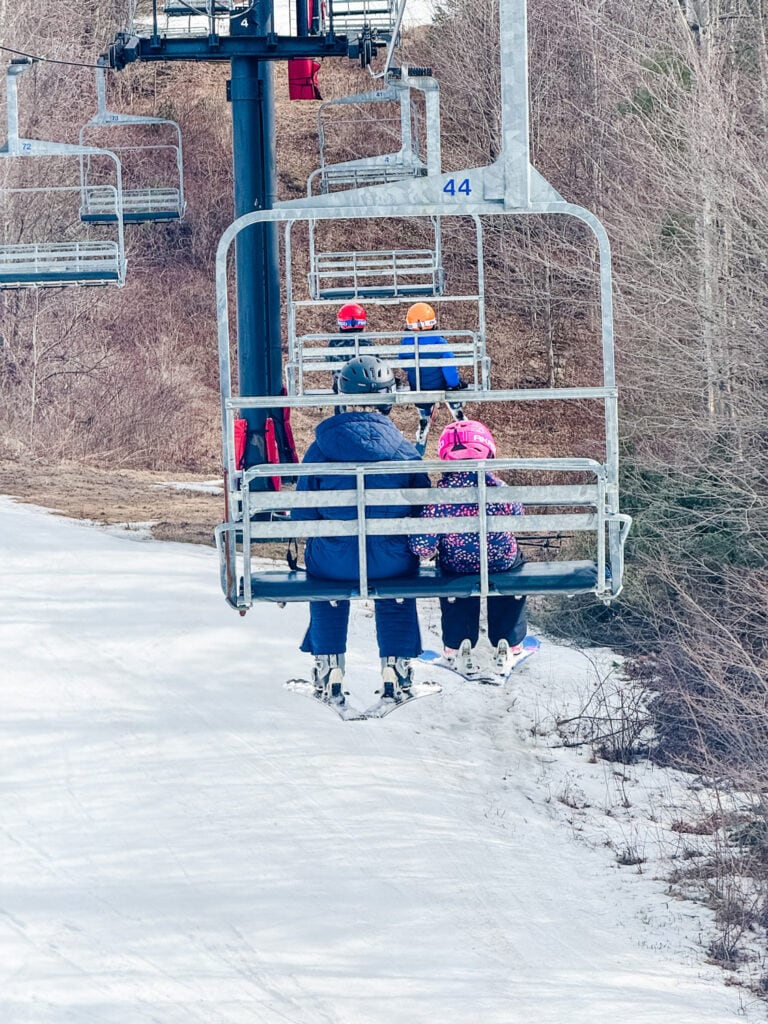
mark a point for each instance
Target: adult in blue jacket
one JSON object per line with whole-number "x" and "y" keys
{"x": 361, "y": 436}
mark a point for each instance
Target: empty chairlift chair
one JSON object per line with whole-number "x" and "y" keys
{"x": 372, "y": 274}
{"x": 405, "y": 162}
{"x": 384, "y": 273}
{"x": 70, "y": 257}
{"x": 201, "y": 8}
{"x": 141, "y": 203}
{"x": 179, "y": 18}
{"x": 377, "y": 20}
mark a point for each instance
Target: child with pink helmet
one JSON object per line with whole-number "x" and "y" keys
{"x": 459, "y": 554}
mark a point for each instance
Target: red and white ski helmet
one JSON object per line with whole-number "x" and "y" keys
{"x": 466, "y": 439}
{"x": 352, "y": 317}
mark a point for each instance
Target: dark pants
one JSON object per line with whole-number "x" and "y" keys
{"x": 397, "y": 628}
{"x": 457, "y": 408}
{"x": 461, "y": 620}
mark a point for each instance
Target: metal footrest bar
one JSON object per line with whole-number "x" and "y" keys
{"x": 384, "y": 274}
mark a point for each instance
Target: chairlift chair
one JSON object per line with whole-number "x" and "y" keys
{"x": 180, "y": 9}
{"x": 585, "y": 498}
{"x": 586, "y": 501}
{"x": 351, "y": 18}
{"x": 372, "y": 274}
{"x": 407, "y": 161}
{"x": 309, "y": 353}
{"x": 140, "y": 204}
{"x": 388, "y": 273}
{"x": 70, "y": 259}
{"x": 179, "y": 18}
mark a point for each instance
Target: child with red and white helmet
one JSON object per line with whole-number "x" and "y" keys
{"x": 351, "y": 319}
{"x": 459, "y": 554}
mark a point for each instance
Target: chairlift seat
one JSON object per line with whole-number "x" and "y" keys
{"x": 372, "y": 292}
{"x": 59, "y": 263}
{"x": 148, "y": 203}
{"x": 139, "y": 205}
{"x": 566, "y": 577}
{"x": 349, "y": 16}
{"x": 370, "y": 174}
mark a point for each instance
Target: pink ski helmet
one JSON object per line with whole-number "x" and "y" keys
{"x": 466, "y": 439}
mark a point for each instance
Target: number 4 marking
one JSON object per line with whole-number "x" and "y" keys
{"x": 451, "y": 188}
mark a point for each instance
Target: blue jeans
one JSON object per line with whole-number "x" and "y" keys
{"x": 461, "y": 620}
{"x": 397, "y": 628}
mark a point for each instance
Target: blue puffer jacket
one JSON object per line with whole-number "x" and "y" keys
{"x": 358, "y": 437}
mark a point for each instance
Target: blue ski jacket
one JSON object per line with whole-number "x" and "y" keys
{"x": 358, "y": 437}
{"x": 433, "y": 378}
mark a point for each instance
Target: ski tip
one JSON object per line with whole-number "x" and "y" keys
{"x": 386, "y": 705}
{"x": 429, "y": 656}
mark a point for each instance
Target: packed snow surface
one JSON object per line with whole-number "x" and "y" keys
{"x": 183, "y": 841}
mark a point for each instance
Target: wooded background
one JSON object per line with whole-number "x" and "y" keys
{"x": 653, "y": 114}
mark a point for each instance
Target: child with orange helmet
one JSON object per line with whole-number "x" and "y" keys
{"x": 459, "y": 554}
{"x": 421, "y": 317}
{"x": 445, "y": 377}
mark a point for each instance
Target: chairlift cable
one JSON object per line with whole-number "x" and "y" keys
{"x": 48, "y": 60}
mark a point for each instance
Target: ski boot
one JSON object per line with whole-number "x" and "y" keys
{"x": 504, "y": 657}
{"x": 397, "y": 678}
{"x": 422, "y": 431}
{"x": 465, "y": 662}
{"x": 328, "y": 677}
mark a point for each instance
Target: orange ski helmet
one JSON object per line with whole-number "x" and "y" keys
{"x": 421, "y": 317}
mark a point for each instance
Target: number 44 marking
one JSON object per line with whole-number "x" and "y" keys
{"x": 463, "y": 188}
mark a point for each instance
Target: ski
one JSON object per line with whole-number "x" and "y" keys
{"x": 531, "y": 645}
{"x": 386, "y": 705}
{"x": 345, "y": 711}
{"x": 348, "y": 713}
{"x": 422, "y": 432}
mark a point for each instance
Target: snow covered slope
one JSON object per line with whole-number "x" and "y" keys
{"x": 183, "y": 841}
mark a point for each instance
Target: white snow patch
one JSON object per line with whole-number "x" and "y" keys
{"x": 195, "y": 486}
{"x": 182, "y": 840}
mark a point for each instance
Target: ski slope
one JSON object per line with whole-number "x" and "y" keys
{"x": 182, "y": 841}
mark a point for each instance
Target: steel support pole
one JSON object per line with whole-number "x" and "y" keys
{"x": 257, "y": 254}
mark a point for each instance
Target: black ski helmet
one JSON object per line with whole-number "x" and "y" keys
{"x": 366, "y": 375}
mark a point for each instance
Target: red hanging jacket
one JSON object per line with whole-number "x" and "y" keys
{"x": 302, "y": 79}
